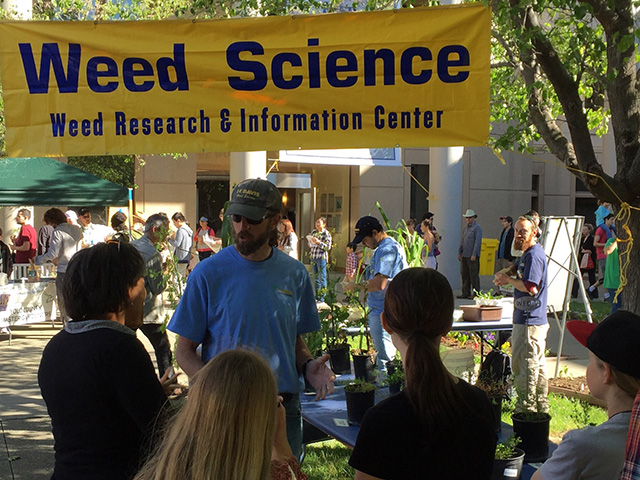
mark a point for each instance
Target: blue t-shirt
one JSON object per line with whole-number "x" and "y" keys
{"x": 232, "y": 302}
{"x": 388, "y": 260}
{"x": 532, "y": 267}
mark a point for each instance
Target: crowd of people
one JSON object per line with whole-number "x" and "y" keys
{"x": 240, "y": 326}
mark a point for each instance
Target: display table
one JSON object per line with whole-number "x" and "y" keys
{"x": 23, "y": 303}
{"x": 330, "y": 416}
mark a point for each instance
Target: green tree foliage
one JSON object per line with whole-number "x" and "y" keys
{"x": 118, "y": 169}
{"x": 564, "y": 69}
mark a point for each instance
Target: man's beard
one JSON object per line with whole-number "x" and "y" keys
{"x": 251, "y": 244}
{"x": 518, "y": 243}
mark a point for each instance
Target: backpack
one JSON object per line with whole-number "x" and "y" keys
{"x": 496, "y": 367}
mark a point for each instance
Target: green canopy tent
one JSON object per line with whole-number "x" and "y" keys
{"x": 46, "y": 181}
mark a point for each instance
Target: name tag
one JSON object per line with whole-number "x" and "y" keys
{"x": 527, "y": 304}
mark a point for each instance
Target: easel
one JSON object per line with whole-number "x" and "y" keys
{"x": 561, "y": 238}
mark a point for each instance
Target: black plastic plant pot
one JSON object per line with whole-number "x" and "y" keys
{"x": 392, "y": 365}
{"x": 395, "y": 388}
{"x": 508, "y": 468}
{"x": 340, "y": 360}
{"x": 357, "y": 405}
{"x": 362, "y": 366}
{"x": 533, "y": 429}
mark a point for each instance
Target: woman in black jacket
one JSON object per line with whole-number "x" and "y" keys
{"x": 588, "y": 258}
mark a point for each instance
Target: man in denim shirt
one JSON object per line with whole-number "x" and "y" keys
{"x": 469, "y": 255}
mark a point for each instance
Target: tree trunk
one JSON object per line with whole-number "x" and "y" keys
{"x": 630, "y": 258}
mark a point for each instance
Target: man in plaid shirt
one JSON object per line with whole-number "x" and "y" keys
{"x": 351, "y": 266}
{"x": 320, "y": 243}
{"x": 631, "y": 470}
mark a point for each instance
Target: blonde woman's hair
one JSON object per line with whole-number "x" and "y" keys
{"x": 225, "y": 430}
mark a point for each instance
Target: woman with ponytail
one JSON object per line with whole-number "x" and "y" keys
{"x": 439, "y": 426}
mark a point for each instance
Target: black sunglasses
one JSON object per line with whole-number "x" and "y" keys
{"x": 238, "y": 218}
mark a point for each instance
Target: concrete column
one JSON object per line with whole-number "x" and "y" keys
{"x": 243, "y": 165}
{"x": 445, "y": 188}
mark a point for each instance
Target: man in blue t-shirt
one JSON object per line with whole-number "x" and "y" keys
{"x": 530, "y": 325}
{"x": 388, "y": 260}
{"x": 251, "y": 295}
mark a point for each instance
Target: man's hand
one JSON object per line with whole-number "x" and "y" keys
{"x": 459, "y": 257}
{"x": 168, "y": 381}
{"x": 320, "y": 377}
{"x": 349, "y": 287}
{"x": 473, "y": 258}
{"x": 501, "y": 279}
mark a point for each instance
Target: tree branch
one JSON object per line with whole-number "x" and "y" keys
{"x": 623, "y": 93}
{"x": 567, "y": 91}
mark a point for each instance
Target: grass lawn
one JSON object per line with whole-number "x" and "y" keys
{"x": 599, "y": 310}
{"x": 330, "y": 459}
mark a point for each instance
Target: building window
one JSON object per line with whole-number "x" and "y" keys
{"x": 419, "y": 203}
{"x": 535, "y": 193}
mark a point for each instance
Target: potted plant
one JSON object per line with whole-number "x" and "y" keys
{"x": 487, "y": 307}
{"x": 332, "y": 321}
{"x": 360, "y": 396}
{"x": 487, "y": 299}
{"x": 363, "y": 355}
{"x": 533, "y": 429}
{"x": 508, "y": 461}
{"x": 395, "y": 379}
{"x": 496, "y": 390}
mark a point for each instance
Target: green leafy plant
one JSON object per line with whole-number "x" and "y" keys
{"x": 507, "y": 449}
{"x": 493, "y": 388}
{"x": 396, "y": 377}
{"x": 463, "y": 337}
{"x": 359, "y": 386}
{"x": 486, "y": 295}
{"x": 412, "y": 243}
{"x": 581, "y": 413}
{"x": 332, "y": 319}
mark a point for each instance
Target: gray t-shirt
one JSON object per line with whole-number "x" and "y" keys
{"x": 593, "y": 453}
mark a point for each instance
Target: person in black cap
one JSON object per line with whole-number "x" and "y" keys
{"x": 388, "y": 260}
{"x": 255, "y": 296}
{"x": 613, "y": 375}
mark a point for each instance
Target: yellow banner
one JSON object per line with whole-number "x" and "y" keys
{"x": 406, "y": 78}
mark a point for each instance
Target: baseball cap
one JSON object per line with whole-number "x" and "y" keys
{"x": 469, "y": 213}
{"x": 204, "y": 219}
{"x": 507, "y": 218}
{"x": 72, "y": 215}
{"x": 614, "y": 340}
{"x": 365, "y": 227}
{"x": 117, "y": 219}
{"x": 252, "y": 199}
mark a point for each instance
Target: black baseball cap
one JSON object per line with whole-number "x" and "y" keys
{"x": 252, "y": 199}
{"x": 365, "y": 227}
{"x": 614, "y": 340}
